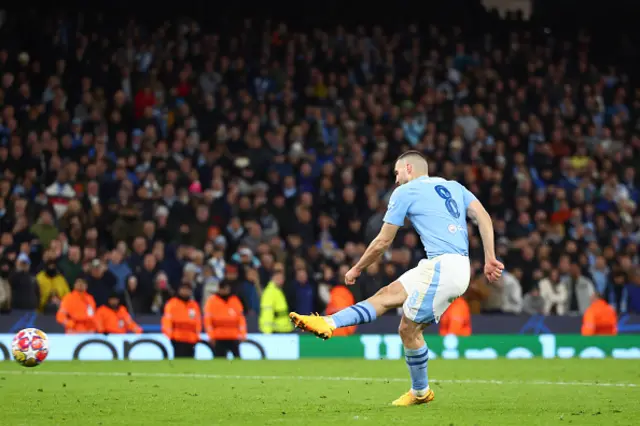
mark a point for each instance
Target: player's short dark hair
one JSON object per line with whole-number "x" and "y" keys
{"x": 412, "y": 153}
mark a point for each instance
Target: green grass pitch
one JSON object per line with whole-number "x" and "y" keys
{"x": 319, "y": 392}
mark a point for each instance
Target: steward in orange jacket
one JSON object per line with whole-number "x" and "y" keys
{"x": 113, "y": 318}
{"x": 77, "y": 310}
{"x": 182, "y": 322}
{"x": 224, "y": 322}
{"x": 340, "y": 298}
{"x": 600, "y": 319}
{"x": 456, "y": 319}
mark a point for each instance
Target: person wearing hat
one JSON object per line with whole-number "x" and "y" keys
{"x": 113, "y": 318}
{"x": 25, "y": 293}
{"x": 224, "y": 322}
{"x": 77, "y": 310}
{"x": 182, "y": 322}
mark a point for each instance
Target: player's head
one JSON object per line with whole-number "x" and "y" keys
{"x": 409, "y": 166}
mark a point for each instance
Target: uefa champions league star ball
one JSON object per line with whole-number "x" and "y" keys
{"x": 30, "y": 347}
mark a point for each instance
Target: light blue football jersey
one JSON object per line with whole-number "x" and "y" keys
{"x": 437, "y": 209}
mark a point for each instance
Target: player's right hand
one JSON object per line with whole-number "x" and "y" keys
{"x": 351, "y": 276}
{"x": 493, "y": 270}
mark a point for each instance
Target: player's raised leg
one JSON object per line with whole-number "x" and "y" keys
{"x": 416, "y": 355}
{"x": 389, "y": 297}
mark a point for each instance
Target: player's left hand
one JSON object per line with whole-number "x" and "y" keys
{"x": 351, "y": 276}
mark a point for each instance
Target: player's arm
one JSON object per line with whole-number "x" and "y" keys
{"x": 393, "y": 220}
{"x": 479, "y": 215}
{"x": 378, "y": 246}
{"x": 476, "y": 211}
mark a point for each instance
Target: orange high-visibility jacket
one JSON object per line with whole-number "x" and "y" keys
{"x": 456, "y": 319}
{"x": 224, "y": 319}
{"x": 77, "y": 313}
{"x": 115, "y": 321}
{"x": 340, "y": 298}
{"x": 182, "y": 321}
{"x": 600, "y": 319}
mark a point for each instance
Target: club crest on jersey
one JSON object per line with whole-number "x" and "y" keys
{"x": 452, "y": 228}
{"x": 192, "y": 313}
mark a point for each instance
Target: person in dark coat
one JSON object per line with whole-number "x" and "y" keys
{"x": 101, "y": 282}
{"x": 24, "y": 287}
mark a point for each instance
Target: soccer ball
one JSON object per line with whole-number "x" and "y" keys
{"x": 30, "y": 347}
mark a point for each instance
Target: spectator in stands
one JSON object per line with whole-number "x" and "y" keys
{"x": 600, "y": 275}
{"x": 45, "y": 229}
{"x": 554, "y": 293}
{"x": 119, "y": 269}
{"x": 304, "y": 292}
{"x": 143, "y": 291}
{"x": 511, "y": 291}
{"x": 600, "y": 318}
{"x": 25, "y": 292}
{"x": 101, "y": 282}
{"x": 5, "y": 286}
{"x": 579, "y": 289}
{"x": 533, "y": 303}
{"x": 290, "y": 159}
{"x": 634, "y": 293}
{"x": 70, "y": 265}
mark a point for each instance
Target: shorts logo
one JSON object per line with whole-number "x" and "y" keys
{"x": 414, "y": 298}
{"x": 452, "y": 228}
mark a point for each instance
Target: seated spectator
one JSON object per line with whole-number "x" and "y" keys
{"x": 600, "y": 318}
{"x": 511, "y": 291}
{"x": 77, "y": 310}
{"x": 119, "y": 269}
{"x": 45, "y": 229}
{"x": 101, "y": 282}
{"x": 533, "y": 303}
{"x": 5, "y": 286}
{"x": 554, "y": 293}
{"x": 25, "y": 291}
{"x": 579, "y": 290}
{"x": 70, "y": 265}
{"x": 113, "y": 318}
{"x": 634, "y": 293}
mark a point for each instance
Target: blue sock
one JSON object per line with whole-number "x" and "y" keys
{"x": 417, "y": 363}
{"x": 360, "y": 313}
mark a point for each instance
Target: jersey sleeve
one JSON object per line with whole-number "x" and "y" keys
{"x": 467, "y": 197}
{"x": 397, "y": 208}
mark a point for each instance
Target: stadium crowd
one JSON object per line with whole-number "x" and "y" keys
{"x": 157, "y": 158}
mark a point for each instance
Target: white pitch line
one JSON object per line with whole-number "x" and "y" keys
{"x": 321, "y": 378}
